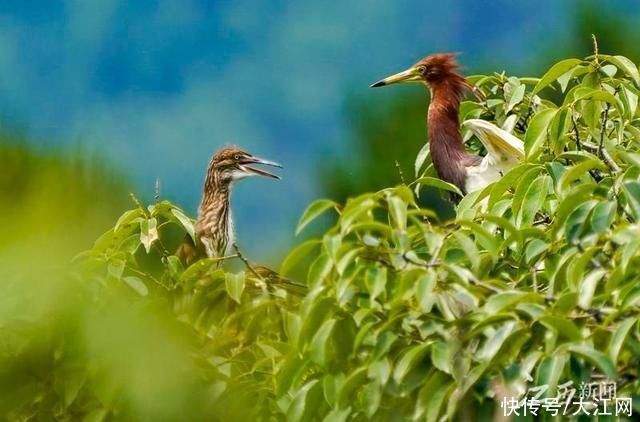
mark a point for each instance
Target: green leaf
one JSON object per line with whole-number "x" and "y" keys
{"x": 501, "y": 301}
{"x": 632, "y": 192}
{"x": 516, "y": 97}
{"x": 425, "y": 295}
{"x": 588, "y": 287}
{"x": 330, "y": 386}
{"x": 376, "y": 281}
{"x": 318, "y": 313}
{"x": 533, "y": 199}
{"x": 355, "y": 209}
{"x": 537, "y": 132}
{"x": 137, "y": 285}
{"x": 174, "y": 265}
{"x": 534, "y": 249}
{"x": 597, "y": 358}
{"x": 431, "y": 396}
{"x": 438, "y": 184}
{"x": 571, "y": 73}
{"x": 298, "y": 407}
{"x": 574, "y": 198}
{"x": 297, "y": 254}
{"x": 579, "y": 170}
{"x": 422, "y": 156}
{"x": 602, "y": 216}
{"x": 380, "y": 371}
{"x": 412, "y": 357}
{"x": 398, "y": 212}
{"x": 527, "y": 180}
{"x": 338, "y": 415}
{"x": 508, "y": 181}
{"x": 492, "y": 346}
{"x": 630, "y": 100}
{"x": 129, "y": 217}
{"x": 331, "y": 244}
{"x": 313, "y": 211}
{"x": 320, "y": 343}
{"x": 618, "y": 337}
{"x": 442, "y": 356}
{"x": 371, "y": 397}
{"x": 469, "y": 248}
{"x": 351, "y": 384}
{"x": 115, "y": 268}
{"x": 595, "y": 94}
{"x": 554, "y": 73}
{"x": 550, "y": 370}
{"x": 626, "y": 65}
{"x": 186, "y": 222}
{"x": 234, "y": 284}
{"x": 562, "y": 326}
{"x": 148, "y": 233}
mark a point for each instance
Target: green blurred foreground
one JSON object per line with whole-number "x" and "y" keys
{"x": 403, "y": 316}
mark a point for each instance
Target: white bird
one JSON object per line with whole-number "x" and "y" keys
{"x": 504, "y": 151}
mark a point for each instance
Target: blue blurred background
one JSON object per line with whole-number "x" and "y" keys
{"x": 154, "y": 87}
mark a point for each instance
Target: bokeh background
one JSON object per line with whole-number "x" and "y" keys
{"x": 100, "y": 98}
{"x": 104, "y": 97}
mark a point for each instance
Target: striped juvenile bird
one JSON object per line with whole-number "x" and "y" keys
{"x": 452, "y": 162}
{"x": 214, "y": 228}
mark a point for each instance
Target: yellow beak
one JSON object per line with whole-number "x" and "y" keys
{"x": 412, "y": 74}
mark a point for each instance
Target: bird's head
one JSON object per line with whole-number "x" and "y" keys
{"x": 232, "y": 163}
{"x": 431, "y": 70}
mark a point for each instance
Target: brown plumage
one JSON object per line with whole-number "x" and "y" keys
{"x": 448, "y": 154}
{"x": 452, "y": 162}
{"x": 214, "y": 227}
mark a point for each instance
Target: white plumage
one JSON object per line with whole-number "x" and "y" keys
{"x": 504, "y": 151}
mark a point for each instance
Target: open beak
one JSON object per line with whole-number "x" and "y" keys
{"x": 255, "y": 160}
{"x": 410, "y": 75}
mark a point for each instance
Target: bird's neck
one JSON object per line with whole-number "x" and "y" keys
{"x": 445, "y": 142}
{"x": 214, "y": 216}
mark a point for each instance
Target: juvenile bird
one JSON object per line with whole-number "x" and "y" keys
{"x": 452, "y": 162}
{"x": 214, "y": 228}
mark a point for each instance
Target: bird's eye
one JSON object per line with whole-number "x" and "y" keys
{"x": 236, "y": 157}
{"x": 422, "y": 69}
{"x": 433, "y": 72}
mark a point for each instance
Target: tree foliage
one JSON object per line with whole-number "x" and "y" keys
{"x": 402, "y": 316}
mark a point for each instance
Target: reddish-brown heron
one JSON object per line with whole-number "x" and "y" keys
{"x": 452, "y": 162}
{"x": 214, "y": 228}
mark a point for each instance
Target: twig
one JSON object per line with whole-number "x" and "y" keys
{"x": 474, "y": 281}
{"x": 603, "y": 130}
{"x": 246, "y": 263}
{"x": 400, "y": 173}
{"x": 543, "y": 219}
{"x": 534, "y": 278}
{"x": 157, "y": 191}
{"x": 139, "y": 205}
{"x": 596, "y": 59}
{"x": 595, "y": 174}
{"x": 575, "y": 130}
{"x": 420, "y": 264}
{"x": 606, "y": 157}
{"x": 381, "y": 261}
{"x": 226, "y": 257}
{"x": 434, "y": 257}
{"x": 149, "y": 276}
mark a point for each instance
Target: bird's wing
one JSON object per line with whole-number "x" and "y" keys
{"x": 500, "y": 144}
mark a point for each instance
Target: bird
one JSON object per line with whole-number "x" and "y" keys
{"x": 214, "y": 231}
{"x": 452, "y": 162}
